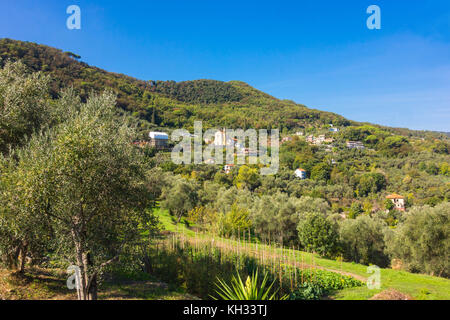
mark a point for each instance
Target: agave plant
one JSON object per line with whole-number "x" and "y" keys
{"x": 251, "y": 290}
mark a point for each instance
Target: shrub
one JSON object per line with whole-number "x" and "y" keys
{"x": 363, "y": 240}
{"x": 318, "y": 234}
{"x": 422, "y": 241}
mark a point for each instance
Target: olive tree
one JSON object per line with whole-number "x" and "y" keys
{"x": 24, "y": 233}
{"x": 318, "y": 234}
{"x": 89, "y": 182}
{"x": 24, "y": 109}
{"x": 179, "y": 198}
{"x": 362, "y": 240}
{"x": 422, "y": 241}
{"x": 23, "y": 104}
{"x": 276, "y": 216}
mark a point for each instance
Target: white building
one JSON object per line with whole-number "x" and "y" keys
{"x": 158, "y": 139}
{"x": 227, "y": 168}
{"x": 398, "y": 201}
{"x": 300, "y": 173}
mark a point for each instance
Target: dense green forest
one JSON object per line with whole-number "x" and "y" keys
{"x": 74, "y": 188}
{"x": 167, "y": 103}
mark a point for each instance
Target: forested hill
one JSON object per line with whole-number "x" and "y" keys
{"x": 173, "y": 104}
{"x": 169, "y": 103}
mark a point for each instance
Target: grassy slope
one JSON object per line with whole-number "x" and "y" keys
{"x": 51, "y": 284}
{"x": 418, "y": 286}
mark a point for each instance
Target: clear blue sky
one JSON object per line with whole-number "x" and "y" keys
{"x": 319, "y": 53}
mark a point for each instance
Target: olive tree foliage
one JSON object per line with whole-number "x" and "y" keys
{"x": 362, "y": 240}
{"x": 247, "y": 178}
{"x": 422, "y": 241}
{"x": 209, "y": 193}
{"x": 229, "y": 208}
{"x": 23, "y": 232}
{"x": 234, "y": 222}
{"x": 179, "y": 197}
{"x": 225, "y": 198}
{"x": 318, "y": 234}
{"x": 157, "y": 179}
{"x": 87, "y": 181}
{"x": 308, "y": 204}
{"x": 276, "y": 216}
{"x": 24, "y": 107}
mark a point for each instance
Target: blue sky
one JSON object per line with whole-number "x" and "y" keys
{"x": 319, "y": 53}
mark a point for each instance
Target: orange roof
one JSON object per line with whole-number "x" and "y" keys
{"x": 395, "y": 196}
{"x": 301, "y": 169}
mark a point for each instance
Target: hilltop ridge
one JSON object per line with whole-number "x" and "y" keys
{"x": 171, "y": 104}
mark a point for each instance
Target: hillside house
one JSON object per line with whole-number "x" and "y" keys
{"x": 398, "y": 201}
{"x": 221, "y": 139}
{"x": 318, "y": 140}
{"x": 158, "y": 140}
{"x": 300, "y": 173}
{"x": 227, "y": 168}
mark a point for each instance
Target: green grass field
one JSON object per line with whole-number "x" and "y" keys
{"x": 417, "y": 286}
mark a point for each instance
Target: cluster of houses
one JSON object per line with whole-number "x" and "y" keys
{"x": 159, "y": 140}
{"x": 221, "y": 139}
{"x": 318, "y": 140}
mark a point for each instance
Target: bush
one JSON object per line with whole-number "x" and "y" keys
{"x": 422, "y": 241}
{"x": 318, "y": 234}
{"x": 363, "y": 240}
